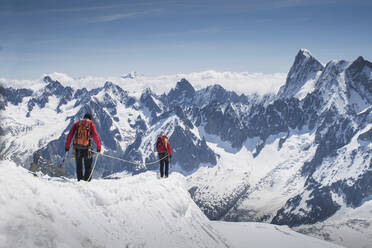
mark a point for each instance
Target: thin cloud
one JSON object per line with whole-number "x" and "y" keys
{"x": 201, "y": 31}
{"x": 240, "y": 6}
{"x": 59, "y": 10}
{"x": 110, "y": 18}
{"x": 119, "y": 16}
{"x": 188, "y": 7}
{"x": 140, "y": 6}
{"x": 295, "y": 3}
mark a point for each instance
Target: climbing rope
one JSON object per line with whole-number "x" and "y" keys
{"x": 94, "y": 165}
{"x": 123, "y": 160}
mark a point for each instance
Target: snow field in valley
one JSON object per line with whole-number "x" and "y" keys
{"x": 350, "y": 227}
{"x": 257, "y": 235}
{"x": 128, "y": 211}
{"x": 26, "y": 134}
{"x": 347, "y": 163}
{"x": 266, "y": 182}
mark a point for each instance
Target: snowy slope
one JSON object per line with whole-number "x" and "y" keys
{"x": 257, "y": 235}
{"x": 138, "y": 211}
{"x": 350, "y": 227}
{"x": 28, "y": 134}
{"x": 273, "y": 177}
{"x": 125, "y": 211}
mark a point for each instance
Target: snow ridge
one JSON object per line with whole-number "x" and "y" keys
{"x": 124, "y": 211}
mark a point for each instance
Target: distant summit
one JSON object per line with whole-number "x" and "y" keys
{"x": 56, "y": 76}
{"x": 131, "y": 75}
{"x": 305, "y": 52}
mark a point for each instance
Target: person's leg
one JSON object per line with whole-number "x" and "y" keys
{"x": 87, "y": 165}
{"x": 161, "y": 164}
{"x": 88, "y": 168}
{"x": 166, "y": 162}
{"x": 79, "y": 165}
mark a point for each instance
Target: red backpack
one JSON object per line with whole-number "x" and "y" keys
{"x": 162, "y": 144}
{"x": 82, "y": 133}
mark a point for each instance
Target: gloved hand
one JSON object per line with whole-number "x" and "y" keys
{"x": 98, "y": 150}
{"x": 67, "y": 149}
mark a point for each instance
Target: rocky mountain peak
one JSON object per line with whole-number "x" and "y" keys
{"x": 148, "y": 101}
{"x": 305, "y": 56}
{"x": 360, "y": 65}
{"x": 359, "y": 78}
{"x": 305, "y": 52}
{"x": 305, "y": 69}
{"x": 183, "y": 93}
{"x": 108, "y": 85}
{"x": 47, "y": 79}
{"x": 185, "y": 86}
{"x": 131, "y": 75}
{"x": 146, "y": 93}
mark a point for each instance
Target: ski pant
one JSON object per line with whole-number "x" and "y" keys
{"x": 164, "y": 162}
{"x": 83, "y": 154}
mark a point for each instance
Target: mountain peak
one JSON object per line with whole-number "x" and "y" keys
{"x": 360, "y": 59}
{"x": 131, "y": 75}
{"x": 304, "y": 69}
{"x": 305, "y": 52}
{"x": 360, "y": 74}
{"x": 53, "y": 85}
{"x": 184, "y": 85}
{"x": 304, "y": 55}
{"x": 183, "y": 91}
{"x": 57, "y": 76}
{"x": 108, "y": 85}
{"x": 47, "y": 79}
{"x": 359, "y": 64}
{"x": 146, "y": 94}
{"x": 147, "y": 91}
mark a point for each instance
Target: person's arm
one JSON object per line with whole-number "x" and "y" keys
{"x": 95, "y": 137}
{"x": 169, "y": 149}
{"x": 69, "y": 136}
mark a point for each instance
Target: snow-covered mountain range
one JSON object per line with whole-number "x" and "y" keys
{"x": 300, "y": 157}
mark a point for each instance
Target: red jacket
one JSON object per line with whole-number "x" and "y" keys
{"x": 93, "y": 134}
{"x": 166, "y": 149}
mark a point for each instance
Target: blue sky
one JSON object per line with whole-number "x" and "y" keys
{"x": 110, "y": 38}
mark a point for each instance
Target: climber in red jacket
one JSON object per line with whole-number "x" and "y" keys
{"x": 163, "y": 148}
{"x": 82, "y": 131}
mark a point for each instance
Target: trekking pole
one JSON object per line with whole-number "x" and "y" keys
{"x": 63, "y": 160}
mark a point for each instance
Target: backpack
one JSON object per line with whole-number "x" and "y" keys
{"x": 82, "y": 134}
{"x": 162, "y": 144}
